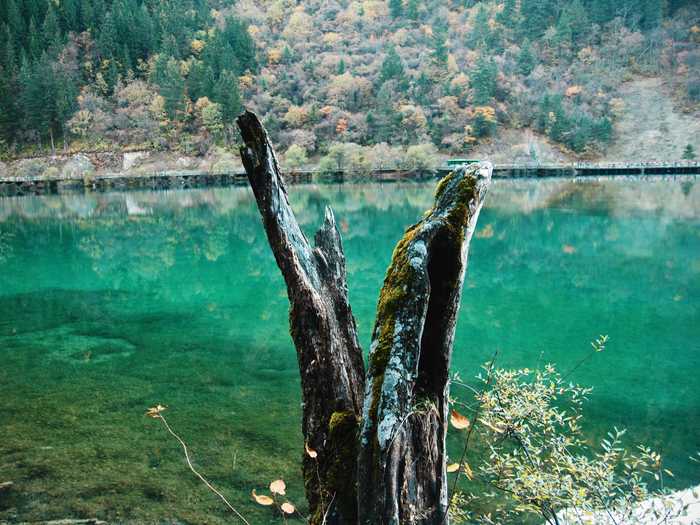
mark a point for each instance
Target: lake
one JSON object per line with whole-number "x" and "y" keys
{"x": 113, "y": 302}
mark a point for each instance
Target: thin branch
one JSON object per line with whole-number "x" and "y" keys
{"x": 202, "y": 478}
{"x": 469, "y": 432}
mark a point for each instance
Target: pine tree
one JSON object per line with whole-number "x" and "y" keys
{"x": 526, "y": 60}
{"x": 571, "y": 27}
{"x": 392, "y": 67}
{"x": 440, "y": 52}
{"x": 601, "y": 11}
{"x": 87, "y": 15}
{"x": 479, "y": 35}
{"x": 508, "y": 15}
{"x": 483, "y": 81}
{"x": 537, "y": 16}
{"x": 70, "y": 11}
{"x": 9, "y": 115}
{"x": 412, "y": 9}
{"x": 166, "y": 74}
{"x": 200, "y": 81}
{"x": 51, "y": 29}
{"x": 65, "y": 95}
{"x": 689, "y": 152}
{"x": 396, "y": 8}
{"x": 35, "y": 42}
{"x": 652, "y": 13}
{"x": 107, "y": 38}
{"x": 36, "y": 96}
{"x": 15, "y": 22}
{"x": 226, "y": 94}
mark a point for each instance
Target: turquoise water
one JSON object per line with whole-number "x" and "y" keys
{"x": 111, "y": 303}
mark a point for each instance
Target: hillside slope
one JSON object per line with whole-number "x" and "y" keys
{"x": 649, "y": 126}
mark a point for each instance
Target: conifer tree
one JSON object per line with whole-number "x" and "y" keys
{"x": 396, "y": 8}
{"x": 87, "y": 14}
{"x": 107, "y": 39}
{"x": 536, "y": 17}
{"x": 652, "y": 12}
{"x": 51, "y": 29}
{"x": 479, "y": 34}
{"x": 440, "y": 52}
{"x": 15, "y": 22}
{"x": 526, "y": 60}
{"x": 508, "y": 15}
{"x": 392, "y": 67}
{"x": 36, "y": 46}
{"x": 412, "y": 9}
{"x": 166, "y": 74}
{"x": 483, "y": 80}
{"x": 227, "y": 95}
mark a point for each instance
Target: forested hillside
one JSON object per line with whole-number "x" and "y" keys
{"x": 348, "y": 81}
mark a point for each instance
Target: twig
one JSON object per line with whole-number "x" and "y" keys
{"x": 202, "y": 478}
{"x": 469, "y": 433}
{"x": 325, "y": 515}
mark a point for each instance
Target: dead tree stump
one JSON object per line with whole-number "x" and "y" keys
{"x": 379, "y": 440}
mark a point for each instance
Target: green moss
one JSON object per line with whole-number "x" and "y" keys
{"x": 394, "y": 293}
{"x": 440, "y": 189}
{"x": 395, "y": 290}
{"x": 339, "y": 479}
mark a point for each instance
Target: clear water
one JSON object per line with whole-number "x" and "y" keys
{"x": 111, "y": 303}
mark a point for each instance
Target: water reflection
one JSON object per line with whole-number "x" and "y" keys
{"x": 113, "y": 302}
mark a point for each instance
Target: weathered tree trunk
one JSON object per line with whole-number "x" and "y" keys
{"x": 380, "y": 445}
{"x": 402, "y": 477}
{"x": 323, "y": 329}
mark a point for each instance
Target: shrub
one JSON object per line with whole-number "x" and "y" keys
{"x": 295, "y": 157}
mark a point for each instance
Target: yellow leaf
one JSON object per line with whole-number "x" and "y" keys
{"x": 278, "y": 487}
{"x": 155, "y": 411}
{"x": 454, "y": 467}
{"x": 262, "y": 499}
{"x": 495, "y": 429}
{"x": 458, "y": 421}
{"x": 287, "y": 508}
{"x": 567, "y": 248}
{"x": 311, "y": 452}
{"x": 468, "y": 470}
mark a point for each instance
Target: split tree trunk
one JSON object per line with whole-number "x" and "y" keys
{"x": 380, "y": 442}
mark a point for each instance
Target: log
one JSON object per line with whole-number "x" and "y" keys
{"x": 380, "y": 441}
{"x": 323, "y": 329}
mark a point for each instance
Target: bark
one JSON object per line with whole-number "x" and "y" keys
{"x": 380, "y": 442}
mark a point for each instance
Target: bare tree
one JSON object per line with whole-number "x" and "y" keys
{"x": 375, "y": 440}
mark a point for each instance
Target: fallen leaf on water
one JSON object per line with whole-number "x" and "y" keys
{"x": 453, "y": 467}
{"x": 155, "y": 411}
{"x": 278, "y": 487}
{"x": 287, "y": 508}
{"x": 262, "y": 499}
{"x": 486, "y": 232}
{"x": 458, "y": 421}
{"x": 311, "y": 452}
{"x": 567, "y": 248}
